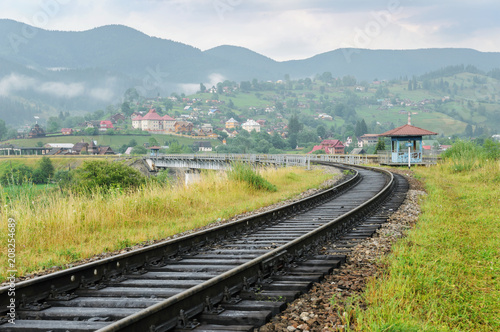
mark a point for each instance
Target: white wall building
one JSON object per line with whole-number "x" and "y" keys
{"x": 251, "y": 125}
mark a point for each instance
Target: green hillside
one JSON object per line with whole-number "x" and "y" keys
{"x": 444, "y": 104}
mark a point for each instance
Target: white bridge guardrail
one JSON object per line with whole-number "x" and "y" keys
{"x": 223, "y": 161}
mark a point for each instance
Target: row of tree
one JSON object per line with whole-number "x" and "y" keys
{"x": 20, "y": 174}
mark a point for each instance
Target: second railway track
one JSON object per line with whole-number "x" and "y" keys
{"x": 229, "y": 278}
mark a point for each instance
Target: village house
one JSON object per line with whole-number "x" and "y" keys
{"x": 183, "y": 127}
{"x": 36, "y": 132}
{"x": 81, "y": 147}
{"x": 231, "y": 123}
{"x": 118, "y": 117}
{"x": 93, "y": 124}
{"x": 330, "y": 146}
{"x": 213, "y": 111}
{"x": 152, "y": 121}
{"x": 105, "y": 125}
{"x": 203, "y": 146}
{"x": 324, "y": 116}
{"x": 349, "y": 141}
{"x": 251, "y": 125}
{"x": 67, "y": 131}
{"x": 368, "y": 139}
{"x": 135, "y": 114}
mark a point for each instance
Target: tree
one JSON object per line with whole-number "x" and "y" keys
{"x": 277, "y": 141}
{"x": 292, "y": 141}
{"x": 46, "y": 167}
{"x": 126, "y": 108}
{"x": 203, "y": 88}
{"x": 327, "y": 77}
{"x": 45, "y": 171}
{"x": 3, "y": 129}
{"x": 153, "y": 142}
{"x": 245, "y": 86}
{"x": 103, "y": 175}
{"x": 139, "y": 150}
{"x": 169, "y": 105}
{"x": 131, "y": 95}
{"x": 17, "y": 175}
{"x": 361, "y": 128}
{"x": 132, "y": 143}
{"x": 321, "y": 131}
{"x": 53, "y": 124}
{"x": 279, "y": 106}
{"x": 468, "y": 130}
{"x": 90, "y": 131}
{"x": 294, "y": 126}
{"x": 380, "y": 144}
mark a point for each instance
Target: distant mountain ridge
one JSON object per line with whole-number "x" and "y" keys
{"x": 95, "y": 67}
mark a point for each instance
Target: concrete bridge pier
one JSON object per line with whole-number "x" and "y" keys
{"x": 192, "y": 175}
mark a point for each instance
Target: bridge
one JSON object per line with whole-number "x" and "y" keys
{"x": 223, "y": 161}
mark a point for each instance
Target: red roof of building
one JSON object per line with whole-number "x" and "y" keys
{"x": 152, "y": 115}
{"x": 408, "y": 130}
{"x": 106, "y": 123}
{"x": 332, "y": 143}
{"x": 316, "y": 148}
{"x": 168, "y": 118}
{"x": 137, "y": 118}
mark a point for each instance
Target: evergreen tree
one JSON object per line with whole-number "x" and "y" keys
{"x": 468, "y": 130}
{"x": 364, "y": 127}
{"x": 294, "y": 126}
{"x": 380, "y": 144}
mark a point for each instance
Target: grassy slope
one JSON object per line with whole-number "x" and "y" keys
{"x": 445, "y": 276}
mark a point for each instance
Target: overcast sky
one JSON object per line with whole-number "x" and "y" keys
{"x": 282, "y": 30}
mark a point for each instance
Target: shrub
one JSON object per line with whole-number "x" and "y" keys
{"x": 245, "y": 172}
{"x": 464, "y": 156}
{"x": 17, "y": 175}
{"x": 100, "y": 175}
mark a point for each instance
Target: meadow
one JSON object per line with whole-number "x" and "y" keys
{"x": 58, "y": 228}
{"x": 445, "y": 275}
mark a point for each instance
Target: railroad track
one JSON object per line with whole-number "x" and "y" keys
{"x": 232, "y": 277}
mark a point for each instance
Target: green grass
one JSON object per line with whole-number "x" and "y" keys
{"x": 445, "y": 276}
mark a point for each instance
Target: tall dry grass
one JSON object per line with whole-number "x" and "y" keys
{"x": 56, "y": 228}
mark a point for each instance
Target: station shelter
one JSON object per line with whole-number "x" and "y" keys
{"x": 155, "y": 151}
{"x": 406, "y": 143}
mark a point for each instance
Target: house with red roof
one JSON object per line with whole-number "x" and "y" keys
{"x": 105, "y": 125}
{"x": 67, "y": 131}
{"x": 152, "y": 121}
{"x": 137, "y": 122}
{"x": 168, "y": 123}
{"x": 330, "y": 146}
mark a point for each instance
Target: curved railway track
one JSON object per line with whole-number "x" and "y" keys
{"x": 232, "y": 277}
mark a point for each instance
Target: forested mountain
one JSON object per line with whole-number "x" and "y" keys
{"x": 47, "y": 71}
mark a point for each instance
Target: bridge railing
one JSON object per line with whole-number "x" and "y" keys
{"x": 221, "y": 161}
